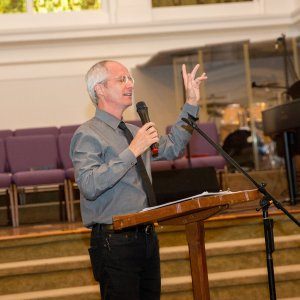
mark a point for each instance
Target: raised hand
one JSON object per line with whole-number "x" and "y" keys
{"x": 192, "y": 84}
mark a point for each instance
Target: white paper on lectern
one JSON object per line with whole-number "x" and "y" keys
{"x": 204, "y": 194}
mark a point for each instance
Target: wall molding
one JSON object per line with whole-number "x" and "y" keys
{"x": 105, "y": 23}
{"x": 43, "y": 59}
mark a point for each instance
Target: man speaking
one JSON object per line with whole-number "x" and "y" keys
{"x": 112, "y": 170}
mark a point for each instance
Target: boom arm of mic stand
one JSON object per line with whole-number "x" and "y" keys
{"x": 191, "y": 121}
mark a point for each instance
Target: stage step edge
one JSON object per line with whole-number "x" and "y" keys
{"x": 173, "y": 284}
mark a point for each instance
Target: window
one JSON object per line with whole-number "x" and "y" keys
{"x": 12, "y": 6}
{"x": 160, "y": 3}
{"x": 47, "y": 6}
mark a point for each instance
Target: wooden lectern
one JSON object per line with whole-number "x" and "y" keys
{"x": 192, "y": 214}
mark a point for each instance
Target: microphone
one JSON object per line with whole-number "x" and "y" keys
{"x": 142, "y": 110}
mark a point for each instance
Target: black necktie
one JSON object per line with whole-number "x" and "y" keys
{"x": 141, "y": 168}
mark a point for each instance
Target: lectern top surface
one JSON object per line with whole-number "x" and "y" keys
{"x": 199, "y": 208}
{"x": 204, "y": 194}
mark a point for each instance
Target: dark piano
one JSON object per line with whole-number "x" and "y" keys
{"x": 282, "y": 123}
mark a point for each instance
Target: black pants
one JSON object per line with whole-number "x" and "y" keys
{"x": 126, "y": 264}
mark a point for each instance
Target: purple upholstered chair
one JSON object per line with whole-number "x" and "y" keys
{"x": 64, "y": 141}
{"x": 37, "y": 131}
{"x": 202, "y": 154}
{"x": 68, "y": 129}
{"x": 33, "y": 160}
{"x": 161, "y": 165}
{"x": 5, "y": 133}
{"x": 182, "y": 163}
{"x": 5, "y": 183}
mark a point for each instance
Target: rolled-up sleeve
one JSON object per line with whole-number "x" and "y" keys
{"x": 93, "y": 175}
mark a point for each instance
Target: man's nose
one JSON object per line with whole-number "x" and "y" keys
{"x": 130, "y": 83}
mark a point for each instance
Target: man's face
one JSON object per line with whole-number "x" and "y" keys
{"x": 118, "y": 88}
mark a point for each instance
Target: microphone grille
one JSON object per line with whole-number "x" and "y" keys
{"x": 141, "y": 105}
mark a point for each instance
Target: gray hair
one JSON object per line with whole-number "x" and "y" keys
{"x": 97, "y": 73}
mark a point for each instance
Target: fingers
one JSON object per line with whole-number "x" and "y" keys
{"x": 185, "y": 75}
{"x": 189, "y": 78}
{"x": 150, "y": 130}
{"x": 201, "y": 78}
{"x": 193, "y": 74}
{"x": 146, "y": 136}
{"x": 148, "y": 125}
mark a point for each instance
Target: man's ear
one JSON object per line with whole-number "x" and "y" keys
{"x": 99, "y": 89}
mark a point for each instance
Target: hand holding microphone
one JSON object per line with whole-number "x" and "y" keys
{"x": 147, "y": 136}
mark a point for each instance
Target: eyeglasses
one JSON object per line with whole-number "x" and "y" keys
{"x": 122, "y": 79}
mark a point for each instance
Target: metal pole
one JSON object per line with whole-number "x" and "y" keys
{"x": 285, "y": 63}
{"x": 296, "y": 56}
{"x": 250, "y": 103}
{"x": 269, "y": 241}
{"x": 203, "y": 100}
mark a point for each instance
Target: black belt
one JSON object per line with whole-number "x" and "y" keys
{"x": 146, "y": 228}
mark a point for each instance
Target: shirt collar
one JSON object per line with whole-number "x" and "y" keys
{"x": 107, "y": 118}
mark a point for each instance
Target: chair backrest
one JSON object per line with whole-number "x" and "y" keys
{"x": 37, "y": 131}
{"x": 68, "y": 128}
{"x": 35, "y": 152}
{"x": 199, "y": 146}
{"x": 2, "y": 157}
{"x": 5, "y": 133}
{"x": 161, "y": 165}
{"x": 64, "y": 141}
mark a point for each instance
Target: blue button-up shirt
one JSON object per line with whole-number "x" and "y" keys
{"x": 105, "y": 168}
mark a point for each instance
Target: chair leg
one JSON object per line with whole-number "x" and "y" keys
{"x": 12, "y": 206}
{"x": 71, "y": 198}
{"x": 63, "y": 209}
{"x": 22, "y": 196}
{"x": 67, "y": 201}
{"x": 9, "y": 211}
{"x": 16, "y": 207}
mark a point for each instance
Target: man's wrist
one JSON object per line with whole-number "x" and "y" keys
{"x": 193, "y": 102}
{"x": 189, "y": 109}
{"x": 128, "y": 156}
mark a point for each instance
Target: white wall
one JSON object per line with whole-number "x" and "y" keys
{"x": 155, "y": 86}
{"x": 43, "y": 58}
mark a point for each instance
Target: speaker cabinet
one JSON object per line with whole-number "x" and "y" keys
{"x": 173, "y": 185}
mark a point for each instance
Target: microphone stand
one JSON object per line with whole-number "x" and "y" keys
{"x": 264, "y": 203}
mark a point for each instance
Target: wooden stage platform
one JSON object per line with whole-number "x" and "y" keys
{"x": 245, "y": 210}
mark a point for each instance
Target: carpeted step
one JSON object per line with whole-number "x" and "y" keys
{"x": 232, "y": 255}
{"x": 169, "y": 254}
{"x": 51, "y": 245}
{"x": 76, "y": 243}
{"x": 53, "y": 261}
{"x": 223, "y": 285}
{"x": 65, "y": 271}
